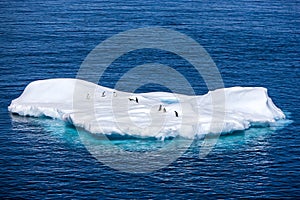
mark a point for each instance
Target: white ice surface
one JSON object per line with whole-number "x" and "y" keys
{"x": 83, "y": 104}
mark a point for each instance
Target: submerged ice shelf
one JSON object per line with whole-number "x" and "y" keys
{"x": 102, "y": 110}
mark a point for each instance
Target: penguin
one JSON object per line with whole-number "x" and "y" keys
{"x": 165, "y": 110}
{"x": 115, "y": 94}
{"x": 176, "y": 113}
{"x": 136, "y": 99}
{"x": 103, "y": 94}
{"x": 160, "y": 107}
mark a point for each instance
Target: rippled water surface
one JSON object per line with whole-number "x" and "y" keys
{"x": 253, "y": 43}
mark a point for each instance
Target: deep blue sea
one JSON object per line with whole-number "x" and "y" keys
{"x": 253, "y": 43}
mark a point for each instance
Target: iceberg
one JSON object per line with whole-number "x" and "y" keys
{"x": 102, "y": 110}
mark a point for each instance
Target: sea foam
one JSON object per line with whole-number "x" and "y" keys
{"x": 102, "y": 110}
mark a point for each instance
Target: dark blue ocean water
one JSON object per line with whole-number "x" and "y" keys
{"x": 253, "y": 43}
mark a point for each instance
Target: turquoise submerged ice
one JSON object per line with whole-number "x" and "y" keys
{"x": 102, "y": 110}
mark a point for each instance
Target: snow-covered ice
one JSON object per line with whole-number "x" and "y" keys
{"x": 102, "y": 110}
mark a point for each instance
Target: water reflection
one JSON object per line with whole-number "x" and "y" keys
{"x": 251, "y": 140}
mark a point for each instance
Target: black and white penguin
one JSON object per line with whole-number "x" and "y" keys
{"x": 176, "y": 113}
{"x": 160, "y": 107}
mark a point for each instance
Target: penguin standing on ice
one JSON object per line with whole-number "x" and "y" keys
{"x": 136, "y": 99}
{"x": 160, "y": 107}
{"x": 164, "y": 110}
{"x": 103, "y": 94}
{"x": 176, "y": 113}
{"x": 115, "y": 94}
